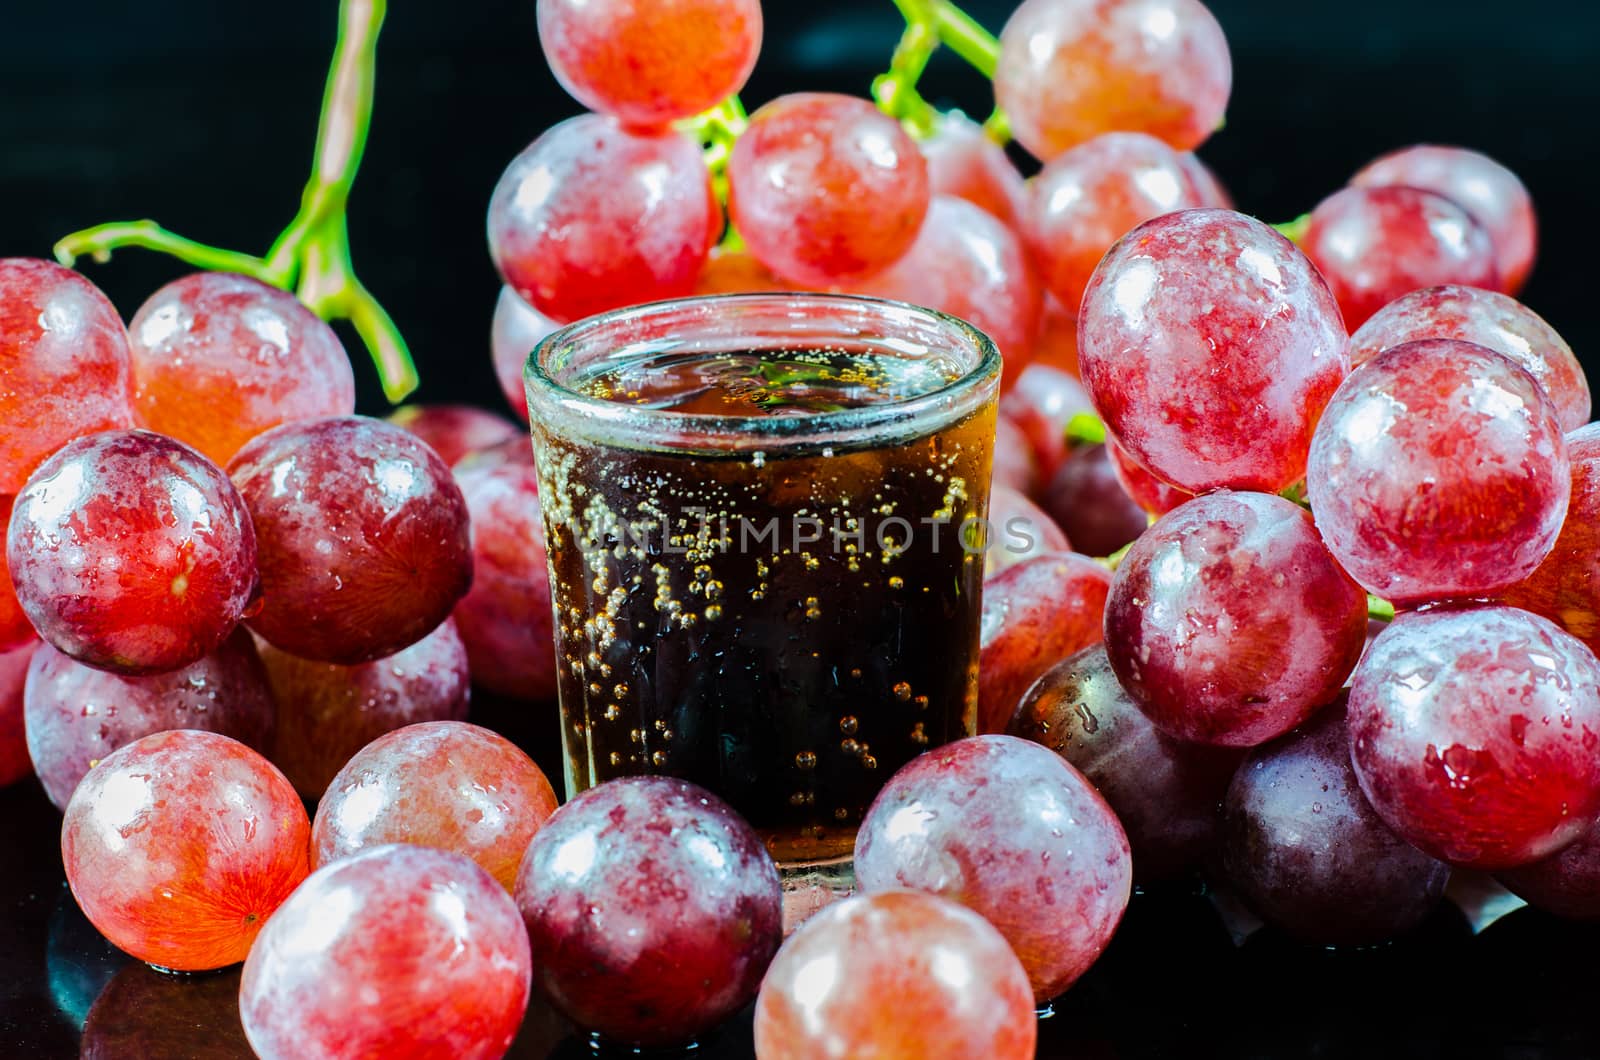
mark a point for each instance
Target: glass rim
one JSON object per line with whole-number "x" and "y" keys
{"x": 672, "y": 430}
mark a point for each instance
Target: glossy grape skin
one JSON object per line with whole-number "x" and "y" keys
{"x": 1035, "y": 614}
{"x": 1373, "y": 245}
{"x": 14, "y": 760}
{"x": 1014, "y": 465}
{"x": 455, "y": 431}
{"x": 1494, "y": 321}
{"x": 1087, "y": 501}
{"x": 592, "y": 216}
{"x": 1010, "y": 830}
{"x": 1144, "y": 489}
{"x": 67, "y": 370}
{"x": 327, "y": 712}
{"x": 442, "y": 784}
{"x": 181, "y": 844}
{"x": 652, "y": 909}
{"x": 1043, "y": 401}
{"x": 1474, "y": 734}
{"x": 362, "y": 536}
{"x": 1086, "y": 198}
{"x": 1565, "y": 587}
{"x": 964, "y": 162}
{"x": 826, "y": 188}
{"x": 966, "y": 263}
{"x": 1439, "y": 471}
{"x": 736, "y": 272}
{"x": 1229, "y": 623}
{"x": 1566, "y": 883}
{"x": 649, "y": 62}
{"x": 897, "y": 973}
{"x": 516, "y": 330}
{"x": 1210, "y": 346}
{"x": 1070, "y": 70}
{"x": 15, "y": 629}
{"x": 1310, "y": 856}
{"x": 78, "y": 715}
{"x": 1165, "y": 792}
{"x": 505, "y": 619}
{"x": 398, "y": 951}
{"x": 1490, "y": 192}
{"x": 131, "y": 552}
{"x": 1018, "y": 531}
{"x": 218, "y": 358}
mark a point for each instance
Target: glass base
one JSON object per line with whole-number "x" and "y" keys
{"x": 811, "y": 886}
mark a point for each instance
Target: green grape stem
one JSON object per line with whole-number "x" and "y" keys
{"x": 930, "y": 24}
{"x": 312, "y": 255}
{"x": 1294, "y": 231}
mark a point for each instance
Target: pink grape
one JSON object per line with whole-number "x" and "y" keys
{"x": 14, "y": 760}
{"x": 896, "y": 974}
{"x": 1165, "y": 792}
{"x": 1070, "y": 70}
{"x": 1565, "y": 587}
{"x": 1494, "y": 321}
{"x": 1010, "y": 830}
{"x": 1210, "y": 346}
{"x": 736, "y": 272}
{"x": 1474, "y": 734}
{"x": 1212, "y": 192}
{"x": 1087, "y": 197}
{"x": 1144, "y": 489}
{"x": 649, "y": 62}
{"x": 505, "y": 619}
{"x": 455, "y": 431}
{"x": 399, "y": 951}
{"x": 1034, "y": 614}
{"x": 1057, "y": 344}
{"x": 826, "y": 188}
{"x": 218, "y": 358}
{"x": 131, "y": 552}
{"x": 1088, "y": 502}
{"x": 1490, "y": 192}
{"x": 516, "y": 330}
{"x": 1308, "y": 854}
{"x": 1439, "y": 471}
{"x": 363, "y": 537}
{"x": 1044, "y": 400}
{"x": 594, "y": 215}
{"x": 1229, "y": 623}
{"x": 1373, "y": 245}
{"x": 964, "y": 162}
{"x": 327, "y": 712}
{"x": 442, "y": 784}
{"x": 67, "y": 369}
{"x": 78, "y": 715}
{"x": 1566, "y": 883}
{"x": 179, "y": 846}
{"x": 15, "y": 629}
{"x": 1014, "y": 464}
{"x": 1018, "y": 531}
{"x": 652, "y": 908}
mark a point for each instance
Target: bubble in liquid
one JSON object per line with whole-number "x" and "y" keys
{"x": 897, "y": 582}
{"x": 902, "y": 691}
{"x": 848, "y": 724}
{"x": 806, "y": 760}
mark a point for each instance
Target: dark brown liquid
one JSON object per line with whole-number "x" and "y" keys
{"x": 738, "y": 621}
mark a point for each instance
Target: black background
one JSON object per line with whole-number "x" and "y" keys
{"x": 201, "y": 115}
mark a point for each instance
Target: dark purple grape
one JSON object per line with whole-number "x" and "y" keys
{"x": 1086, "y": 499}
{"x": 1567, "y": 883}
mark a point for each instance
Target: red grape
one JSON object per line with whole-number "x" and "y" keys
{"x": 593, "y": 215}
{"x": 649, "y": 62}
{"x": 1567, "y": 883}
{"x": 65, "y": 353}
{"x": 1494, "y": 321}
{"x": 1165, "y": 792}
{"x": 399, "y": 951}
{"x": 1034, "y": 615}
{"x": 14, "y": 760}
{"x": 1010, "y": 830}
{"x": 652, "y": 909}
{"x": 1043, "y": 401}
{"x": 455, "y": 431}
{"x": 1490, "y": 192}
{"x": 964, "y": 162}
{"x": 517, "y": 452}
{"x": 1308, "y": 854}
{"x": 1057, "y": 344}
{"x": 1070, "y": 70}
{"x": 505, "y": 619}
{"x": 1438, "y": 471}
{"x": 1474, "y": 734}
{"x": 736, "y": 272}
{"x": 1018, "y": 530}
{"x": 825, "y": 188}
{"x": 1014, "y": 464}
{"x": 1212, "y": 192}
{"x": 363, "y": 538}
{"x": 181, "y": 844}
{"x": 219, "y": 358}
{"x": 1144, "y": 489}
{"x": 15, "y": 629}
{"x": 1565, "y": 587}
{"x": 1373, "y": 245}
{"x": 442, "y": 784}
{"x": 1210, "y": 346}
{"x": 896, "y": 974}
{"x": 1229, "y": 623}
{"x": 1087, "y": 501}
{"x": 78, "y": 715}
{"x": 1087, "y": 197}
{"x": 517, "y": 329}
{"x": 131, "y": 552}
{"x": 327, "y": 712}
